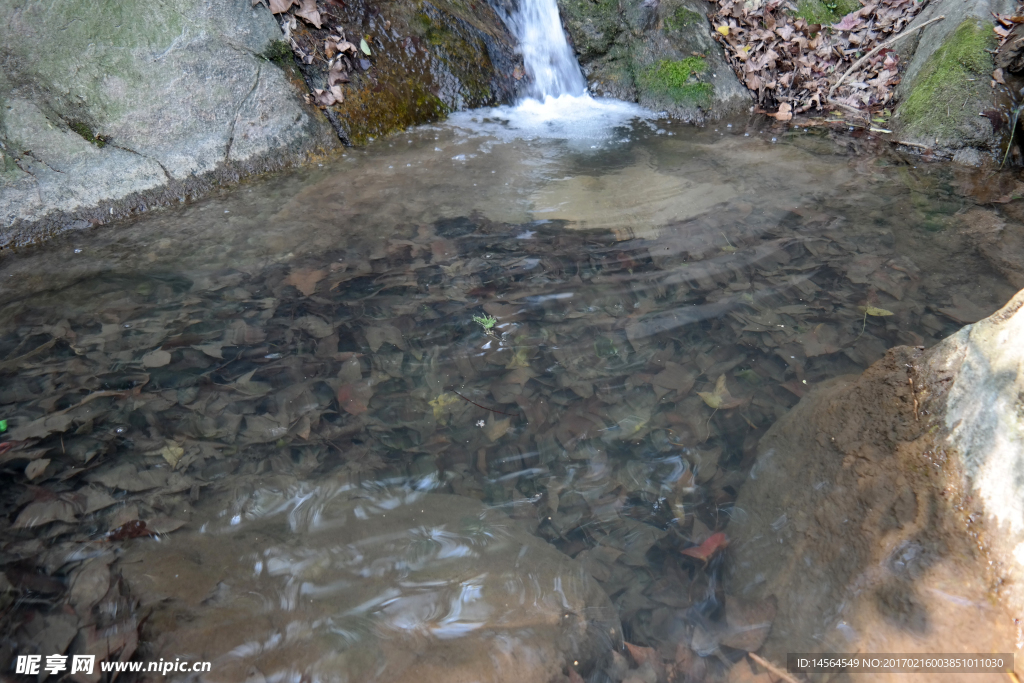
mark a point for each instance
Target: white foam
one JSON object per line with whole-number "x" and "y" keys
{"x": 582, "y": 120}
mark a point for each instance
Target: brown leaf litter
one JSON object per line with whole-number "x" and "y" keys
{"x": 794, "y": 67}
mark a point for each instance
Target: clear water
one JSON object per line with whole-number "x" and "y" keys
{"x": 311, "y": 338}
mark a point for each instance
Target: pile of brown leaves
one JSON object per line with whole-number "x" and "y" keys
{"x": 1009, "y": 29}
{"x": 792, "y": 65}
{"x": 338, "y": 56}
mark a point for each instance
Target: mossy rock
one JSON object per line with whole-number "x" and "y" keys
{"x": 87, "y": 134}
{"x": 661, "y": 55}
{"x": 593, "y": 25}
{"x": 682, "y": 17}
{"x": 678, "y": 81}
{"x": 955, "y": 76}
{"x": 438, "y": 56}
{"x": 278, "y": 52}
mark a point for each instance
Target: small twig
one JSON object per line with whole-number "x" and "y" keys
{"x": 911, "y": 144}
{"x": 913, "y": 392}
{"x": 774, "y": 669}
{"x": 707, "y": 425}
{"x": 859, "y": 62}
{"x": 15, "y": 362}
{"x": 848, "y": 108}
{"x": 1013, "y": 131}
{"x": 863, "y": 327}
{"x": 484, "y": 407}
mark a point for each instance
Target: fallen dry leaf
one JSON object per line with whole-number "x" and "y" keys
{"x": 133, "y": 529}
{"x": 353, "y": 397}
{"x": 785, "y": 112}
{"x": 749, "y": 622}
{"x": 172, "y": 453}
{"x": 641, "y": 655}
{"x": 156, "y": 359}
{"x": 314, "y": 326}
{"x": 495, "y": 429}
{"x": 307, "y": 10}
{"x": 720, "y": 398}
{"x": 442, "y": 406}
{"x": 280, "y": 6}
{"x": 706, "y": 550}
{"x": 874, "y": 310}
{"x": 35, "y": 468}
{"x": 305, "y": 280}
{"x": 44, "y": 512}
{"x": 376, "y": 336}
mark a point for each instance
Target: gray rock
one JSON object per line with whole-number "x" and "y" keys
{"x": 982, "y": 415}
{"x": 109, "y": 106}
{"x": 108, "y": 109}
{"x": 885, "y": 510}
{"x": 339, "y": 584}
{"x": 635, "y": 50}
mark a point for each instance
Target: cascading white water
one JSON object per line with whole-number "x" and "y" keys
{"x": 547, "y": 57}
{"x": 556, "y": 104}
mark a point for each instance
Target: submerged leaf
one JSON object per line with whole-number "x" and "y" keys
{"x": 706, "y": 550}
{"x": 44, "y": 512}
{"x": 749, "y": 622}
{"x": 172, "y": 453}
{"x": 156, "y": 359}
{"x": 441, "y": 406}
{"x": 314, "y": 326}
{"x": 36, "y": 467}
{"x": 720, "y": 398}
{"x": 495, "y": 429}
{"x": 353, "y": 397}
{"x": 305, "y": 279}
{"x": 871, "y": 310}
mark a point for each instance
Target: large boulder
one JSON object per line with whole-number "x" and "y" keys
{"x": 112, "y": 106}
{"x": 334, "y": 585}
{"x": 660, "y": 54}
{"x": 885, "y": 511}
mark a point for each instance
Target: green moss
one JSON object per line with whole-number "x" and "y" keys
{"x": 944, "y": 78}
{"x": 678, "y": 81}
{"x": 681, "y": 18}
{"x": 87, "y": 133}
{"x": 278, "y": 52}
{"x": 825, "y": 11}
{"x": 464, "y": 55}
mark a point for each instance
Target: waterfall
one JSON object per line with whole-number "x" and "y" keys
{"x": 556, "y": 105}
{"x": 547, "y": 57}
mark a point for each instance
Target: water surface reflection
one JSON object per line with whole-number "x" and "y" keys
{"x": 590, "y": 339}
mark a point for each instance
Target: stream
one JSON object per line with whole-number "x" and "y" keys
{"x": 474, "y": 402}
